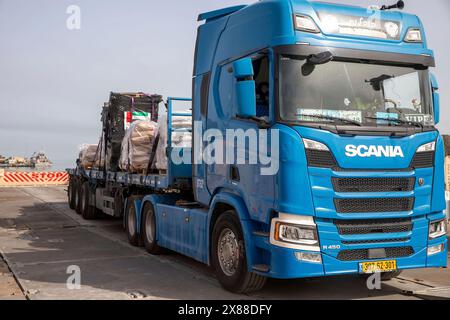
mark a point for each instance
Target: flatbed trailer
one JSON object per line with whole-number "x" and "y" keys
{"x": 108, "y": 191}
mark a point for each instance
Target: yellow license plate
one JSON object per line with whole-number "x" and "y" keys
{"x": 378, "y": 266}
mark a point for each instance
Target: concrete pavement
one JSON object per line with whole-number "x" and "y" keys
{"x": 41, "y": 238}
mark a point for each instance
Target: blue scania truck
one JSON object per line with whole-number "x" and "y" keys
{"x": 360, "y": 181}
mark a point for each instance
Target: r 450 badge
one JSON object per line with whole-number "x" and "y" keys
{"x": 332, "y": 247}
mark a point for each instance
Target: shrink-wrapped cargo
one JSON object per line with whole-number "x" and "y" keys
{"x": 182, "y": 139}
{"x": 138, "y": 146}
{"x": 87, "y": 155}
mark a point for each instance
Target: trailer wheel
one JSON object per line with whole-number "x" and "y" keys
{"x": 130, "y": 222}
{"x": 88, "y": 212}
{"x": 149, "y": 230}
{"x": 77, "y": 193}
{"x": 229, "y": 257}
{"x": 71, "y": 190}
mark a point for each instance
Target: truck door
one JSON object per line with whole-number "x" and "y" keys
{"x": 246, "y": 179}
{"x": 201, "y": 86}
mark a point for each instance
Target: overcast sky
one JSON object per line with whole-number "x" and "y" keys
{"x": 53, "y": 80}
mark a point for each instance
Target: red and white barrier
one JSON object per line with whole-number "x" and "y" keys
{"x": 31, "y": 179}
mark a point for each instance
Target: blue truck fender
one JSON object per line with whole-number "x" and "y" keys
{"x": 240, "y": 207}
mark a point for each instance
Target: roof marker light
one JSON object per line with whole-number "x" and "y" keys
{"x": 413, "y": 35}
{"x": 306, "y": 23}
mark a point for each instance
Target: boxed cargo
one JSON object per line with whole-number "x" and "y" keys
{"x": 179, "y": 139}
{"x": 138, "y": 147}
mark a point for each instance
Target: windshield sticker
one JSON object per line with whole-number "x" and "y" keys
{"x": 386, "y": 115}
{"x": 308, "y": 114}
{"x": 420, "y": 118}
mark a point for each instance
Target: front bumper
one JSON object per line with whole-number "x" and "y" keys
{"x": 285, "y": 265}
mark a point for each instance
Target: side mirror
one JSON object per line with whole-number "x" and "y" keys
{"x": 245, "y": 88}
{"x": 436, "y": 102}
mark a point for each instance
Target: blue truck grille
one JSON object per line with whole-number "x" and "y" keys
{"x": 374, "y": 205}
{"x": 375, "y": 241}
{"x": 352, "y": 227}
{"x": 365, "y": 254}
{"x": 373, "y": 184}
{"x": 320, "y": 159}
{"x": 423, "y": 160}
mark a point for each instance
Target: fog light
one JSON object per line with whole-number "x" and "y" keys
{"x": 309, "y": 257}
{"x": 436, "y": 249}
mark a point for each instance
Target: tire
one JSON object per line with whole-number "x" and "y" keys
{"x": 130, "y": 222}
{"x": 77, "y": 194}
{"x": 233, "y": 276}
{"x": 118, "y": 204}
{"x": 386, "y": 276}
{"x": 71, "y": 194}
{"x": 149, "y": 230}
{"x": 88, "y": 212}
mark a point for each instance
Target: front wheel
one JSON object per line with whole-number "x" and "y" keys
{"x": 228, "y": 256}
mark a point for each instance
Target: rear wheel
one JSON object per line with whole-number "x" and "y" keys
{"x": 77, "y": 194}
{"x": 149, "y": 230}
{"x": 71, "y": 193}
{"x": 130, "y": 222}
{"x": 88, "y": 212}
{"x": 229, "y": 257}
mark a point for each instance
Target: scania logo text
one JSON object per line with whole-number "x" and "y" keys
{"x": 364, "y": 151}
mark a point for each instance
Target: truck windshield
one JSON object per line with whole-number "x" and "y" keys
{"x": 352, "y": 93}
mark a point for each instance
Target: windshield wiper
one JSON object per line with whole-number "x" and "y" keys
{"x": 331, "y": 118}
{"x": 398, "y": 121}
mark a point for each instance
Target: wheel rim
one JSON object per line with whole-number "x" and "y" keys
{"x": 228, "y": 252}
{"x": 131, "y": 222}
{"x": 150, "y": 227}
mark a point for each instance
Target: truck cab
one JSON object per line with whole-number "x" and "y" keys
{"x": 360, "y": 180}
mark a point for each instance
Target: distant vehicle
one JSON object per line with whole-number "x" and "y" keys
{"x": 18, "y": 162}
{"x": 40, "y": 160}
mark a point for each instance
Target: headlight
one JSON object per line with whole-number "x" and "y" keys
{"x": 427, "y": 147}
{"x": 438, "y": 229}
{"x": 306, "y": 23}
{"x": 314, "y": 145}
{"x": 295, "y": 231}
{"x": 413, "y": 35}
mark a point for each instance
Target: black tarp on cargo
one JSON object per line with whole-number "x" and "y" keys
{"x": 113, "y": 118}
